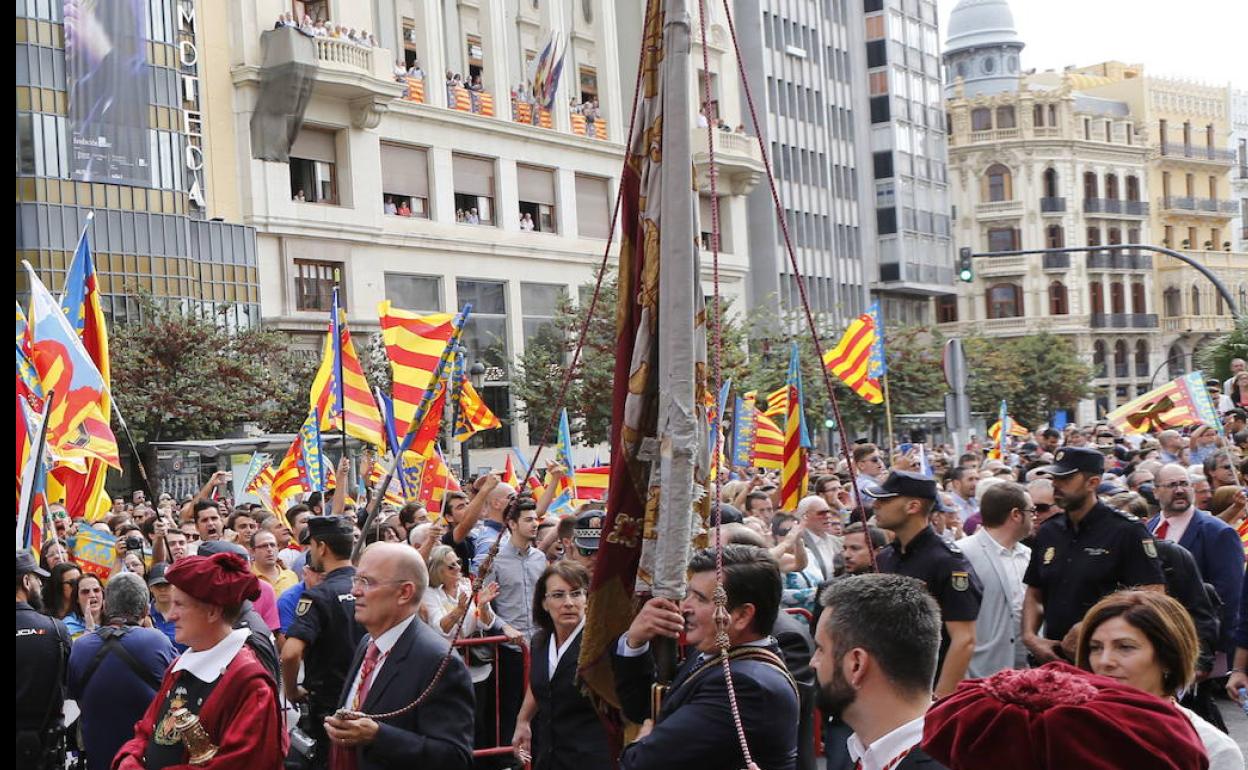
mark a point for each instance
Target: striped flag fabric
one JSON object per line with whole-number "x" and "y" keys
{"x": 1014, "y": 429}
{"x": 793, "y": 473}
{"x": 1001, "y": 441}
{"x": 777, "y": 402}
{"x": 855, "y": 359}
{"x": 394, "y": 493}
{"x": 1178, "y": 403}
{"x": 414, "y": 343}
{"x": 435, "y": 481}
{"x": 302, "y": 468}
{"x": 768, "y": 450}
{"x": 509, "y": 473}
{"x": 346, "y": 405}
{"x": 591, "y": 483}
{"x": 473, "y": 415}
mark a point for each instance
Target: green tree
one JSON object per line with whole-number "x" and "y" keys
{"x": 1036, "y": 375}
{"x": 182, "y": 376}
{"x": 1215, "y": 359}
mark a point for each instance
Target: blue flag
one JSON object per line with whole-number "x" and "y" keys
{"x": 877, "y": 366}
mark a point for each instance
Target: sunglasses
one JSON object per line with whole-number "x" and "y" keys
{"x": 1043, "y": 508}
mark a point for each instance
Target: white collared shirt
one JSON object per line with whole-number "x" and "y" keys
{"x": 384, "y": 643}
{"x": 1178, "y": 524}
{"x": 207, "y": 665}
{"x": 886, "y": 748}
{"x": 555, "y": 652}
{"x": 1013, "y": 563}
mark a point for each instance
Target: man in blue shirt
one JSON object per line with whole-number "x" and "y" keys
{"x": 114, "y": 672}
{"x": 289, "y": 600}
{"x": 162, "y": 602}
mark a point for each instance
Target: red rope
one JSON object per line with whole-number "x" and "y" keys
{"x": 801, "y": 285}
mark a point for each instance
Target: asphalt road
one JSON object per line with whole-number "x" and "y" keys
{"x": 1236, "y": 722}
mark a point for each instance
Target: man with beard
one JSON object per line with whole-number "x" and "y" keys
{"x": 323, "y": 635}
{"x": 877, "y": 680}
{"x": 43, "y": 653}
{"x": 1081, "y": 555}
{"x": 1214, "y": 544}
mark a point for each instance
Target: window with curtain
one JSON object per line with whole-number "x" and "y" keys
{"x": 1005, "y": 300}
{"x": 1058, "y": 304}
{"x": 999, "y": 186}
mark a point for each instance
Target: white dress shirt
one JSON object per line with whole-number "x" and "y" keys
{"x": 555, "y": 651}
{"x": 1013, "y": 562}
{"x": 1178, "y": 525}
{"x": 888, "y": 747}
{"x": 385, "y": 643}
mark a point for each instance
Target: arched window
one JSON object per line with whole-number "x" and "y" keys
{"x": 998, "y": 185}
{"x": 1005, "y": 117}
{"x": 1195, "y": 300}
{"x": 1138, "y": 300}
{"x": 1115, "y": 235}
{"x": 1111, "y": 186}
{"x": 1172, "y": 299}
{"x": 1089, "y": 185}
{"x": 1117, "y": 298}
{"x": 1058, "y": 304}
{"x": 981, "y": 119}
{"x": 1054, "y": 237}
{"x": 1141, "y": 358}
{"x": 1050, "y": 183}
{"x": 1098, "y": 298}
{"x": 1098, "y": 358}
{"x": 1133, "y": 188}
{"x": 1005, "y": 300}
{"x": 1121, "y": 365}
{"x": 1176, "y": 362}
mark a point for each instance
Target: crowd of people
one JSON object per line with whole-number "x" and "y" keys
{"x": 326, "y": 28}
{"x": 1081, "y": 581}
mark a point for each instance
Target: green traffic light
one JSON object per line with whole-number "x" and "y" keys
{"x": 966, "y": 275}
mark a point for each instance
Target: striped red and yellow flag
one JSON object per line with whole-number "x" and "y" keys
{"x": 793, "y": 475}
{"x": 778, "y": 402}
{"x": 768, "y": 442}
{"x": 591, "y": 483}
{"x": 1172, "y": 405}
{"x": 288, "y": 479}
{"x": 414, "y": 344}
{"x": 394, "y": 492}
{"x": 360, "y": 414}
{"x": 473, "y": 415}
{"x": 850, "y": 360}
{"x": 994, "y": 431}
{"x": 435, "y": 481}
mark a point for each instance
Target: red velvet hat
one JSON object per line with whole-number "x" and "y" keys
{"x": 222, "y": 579}
{"x": 1058, "y": 717}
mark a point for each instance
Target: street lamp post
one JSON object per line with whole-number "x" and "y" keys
{"x": 476, "y": 373}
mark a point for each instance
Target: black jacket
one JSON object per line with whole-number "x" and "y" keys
{"x": 695, "y": 727}
{"x": 1184, "y": 583}
{"x": 919, "y": 760}
{"x": 797, "y": 648}
{"x": 436, "y": 734}
{"x": 567, "y": 734}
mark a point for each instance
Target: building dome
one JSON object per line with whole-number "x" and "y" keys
{"x": 981, "y": 23}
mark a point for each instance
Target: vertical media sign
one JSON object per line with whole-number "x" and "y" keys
{"x": 192, "y": 117}
{"x": 106, "y": 69}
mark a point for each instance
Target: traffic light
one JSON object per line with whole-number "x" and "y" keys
{"x": 829, "y": 423}
{"x": 965, "y": 273}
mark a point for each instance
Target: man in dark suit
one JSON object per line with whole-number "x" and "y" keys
{"x": 392, "y": 666}
{"x": 695, "y": 725}
{"x": 877, "y": 680}
{"x": 1214, "y": 544}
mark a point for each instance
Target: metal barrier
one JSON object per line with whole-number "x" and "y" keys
{"x": 500, "y": 748}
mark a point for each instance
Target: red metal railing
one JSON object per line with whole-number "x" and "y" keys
{"x": 500, "y": 747}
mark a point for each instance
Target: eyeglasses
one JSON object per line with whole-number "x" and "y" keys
{"x": 1176, "y": 485}
{"x": 1042, "y": 508}
{"x": 1029, "y": 510}
{"x": 558, "y": 596}
{"x": 369, "y": 584}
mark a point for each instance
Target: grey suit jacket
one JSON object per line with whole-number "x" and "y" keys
{"x": 998, "y": 638}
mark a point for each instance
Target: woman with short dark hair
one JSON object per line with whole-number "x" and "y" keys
{"x": 554, "y": 695}
{"x": 1147, "y": 640}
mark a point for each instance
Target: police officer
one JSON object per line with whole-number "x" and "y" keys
{"x": 1081, "y": 555}
{"x": 323, "y": 634}
{"x": 43, "y": 646}
{"x": 904, "y": 504}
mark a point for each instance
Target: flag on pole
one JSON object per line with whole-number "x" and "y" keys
{"x": 857, "y": 357}
{"x": 33, "y": 524}
{"x": 592, "y": 483}
{"x": 1000, "y": 449}
{"x": 777, "y": 402}
{"x": 473, "y": 415}
{"x": 408, "y": 472}
{"x": 436, "y": 480}
{"x": 509, "y": 473}
{"x": 302, "y": 468}
{"x": 743, "y": 428}
{"x": 414, "y": 343}
{"x": 1178, "y": 403}
{"x": 793, "y": 474}
{"x": 64, "y": 366}
{"x": 879, "y": 364}
{"x": 346, "y": 405}
{"x": 768, "y": 449}
{"x": 563, "y": 455}
{"x": 1014, "y": 429}
{"x": 394, "y": 493}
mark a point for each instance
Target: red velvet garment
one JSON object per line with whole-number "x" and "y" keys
{"x": 1058, "y": 717}
{"x": 223, "y": 579}
{"x": 241, "y": 717}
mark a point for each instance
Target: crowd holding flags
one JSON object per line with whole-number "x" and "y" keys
{"x": 1179, "y": 403}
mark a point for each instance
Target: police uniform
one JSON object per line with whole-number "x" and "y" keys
{"x": 942, "y": 566}
{"x": 43, "y": 646}
{"x": 325, "y": 622}
{"x": 1075, "y": 566}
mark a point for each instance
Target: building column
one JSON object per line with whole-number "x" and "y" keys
{"x": 507, "y": 194}
{"x": 441, "y": 185}
{"x": 565, "y": 202}
{"x": 494, "y": 47}
{"x": 432, "y": 53}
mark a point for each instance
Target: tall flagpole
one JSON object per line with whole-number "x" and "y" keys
{"x": 34, "y": 467}
{"x": 888, "y": 418}
{"x": 336, "y": 330}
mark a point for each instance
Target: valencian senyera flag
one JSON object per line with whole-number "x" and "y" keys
{"x": 652, "y": 509}
{"x": 794, "y": 477}
{"x": 1178, "y": 403}
{"x": 347, "y": 404}
{"x": 857, "y": 360}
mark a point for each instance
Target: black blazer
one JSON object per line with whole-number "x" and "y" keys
{"x": 695, "y": 727}
{"x": 797, "y": 648}
{"x": 567, "y": 734}
{"x": 438, "y": 733}
{"x": 919, "y": 760}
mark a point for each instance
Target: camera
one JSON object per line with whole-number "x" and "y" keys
{"x": 134, "y": 543}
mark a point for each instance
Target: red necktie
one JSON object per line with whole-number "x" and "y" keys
{"x": 1162, "y": 529}
{"x": 343, "y": 757}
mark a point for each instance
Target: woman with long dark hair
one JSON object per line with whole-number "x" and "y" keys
{"x": 60, "y": 589}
